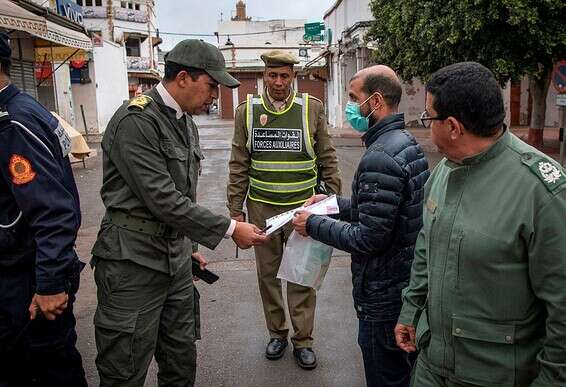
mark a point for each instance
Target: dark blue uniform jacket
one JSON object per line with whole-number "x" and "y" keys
{"x": 39, "y": 202}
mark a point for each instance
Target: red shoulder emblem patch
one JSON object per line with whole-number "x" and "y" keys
{"x": 21, "y": 170}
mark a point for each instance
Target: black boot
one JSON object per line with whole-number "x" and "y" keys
{"x": 306, "y": 359}
{"x": 275, "y": 349}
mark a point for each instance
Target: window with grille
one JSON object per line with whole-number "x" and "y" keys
{"x": 133, "y": 47}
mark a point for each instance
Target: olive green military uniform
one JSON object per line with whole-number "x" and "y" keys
{"x": 301, "y": 300}
{"x": 142, "y": 254}
{"x": 488, "y": 284}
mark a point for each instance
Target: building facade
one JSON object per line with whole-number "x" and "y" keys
{"x": 347, "y": 52}
{"x": 44, "y": 42}
{"x": 242, "y": 40}
{"x": 131, "y": 24}
{"x": 83, "y": 58}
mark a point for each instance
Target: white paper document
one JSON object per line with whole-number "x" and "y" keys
{"x": 328, "y": 206}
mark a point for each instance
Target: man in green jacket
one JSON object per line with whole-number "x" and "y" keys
{"x": 142, "y": 257}
{"x": 486, "y": 303}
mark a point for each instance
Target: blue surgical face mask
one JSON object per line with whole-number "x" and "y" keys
{"x": 355, "y": 117}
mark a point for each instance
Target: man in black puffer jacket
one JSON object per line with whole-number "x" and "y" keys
{"x": 379, "y": 224}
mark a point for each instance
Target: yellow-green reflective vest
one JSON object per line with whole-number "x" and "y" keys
{"x": 283, "y": 164}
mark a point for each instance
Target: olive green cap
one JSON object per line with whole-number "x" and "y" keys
{"x": 278, "y": 58}
{"x": 201, "y": 55}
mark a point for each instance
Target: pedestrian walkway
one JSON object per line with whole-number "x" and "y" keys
{"x": 212, "y": 121}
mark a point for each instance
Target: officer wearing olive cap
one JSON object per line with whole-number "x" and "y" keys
{"x": 281, "y": 155}
{"x": 152, "y": 224}
{"x": 39, "y": 220}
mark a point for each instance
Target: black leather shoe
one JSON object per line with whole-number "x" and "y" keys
{"x": 275, "y": 349}
{"x": 305, "y": 357}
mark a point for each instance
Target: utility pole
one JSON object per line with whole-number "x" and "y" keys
{"x": 110, "y": 18}
{"x": 149, "y": 13}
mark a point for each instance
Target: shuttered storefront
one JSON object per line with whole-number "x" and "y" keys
{"x": 23, "y": 76}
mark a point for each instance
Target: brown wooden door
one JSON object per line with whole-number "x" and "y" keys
{"x": 515, "y": 104}
{"x": 226, "y": 103}
{"x": 247, "y": 86}
{"x": 314, "y": 87}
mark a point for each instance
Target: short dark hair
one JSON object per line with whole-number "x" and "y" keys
{"x": 387, "y": 86}
{"x": 172, "y": 69}
{"x": 5, "y": 66}
{"x": 469, "y": 92}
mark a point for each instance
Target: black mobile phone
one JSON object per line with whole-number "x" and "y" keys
{"x": 205, "y": 275}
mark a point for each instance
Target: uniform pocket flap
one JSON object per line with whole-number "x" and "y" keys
{"x": 483, "y": 331}
{"x": 115, "y": 319}
{"x": 198, "y": 153}
{"x": 172, "y": 151}
{"x": 423, "y": 330}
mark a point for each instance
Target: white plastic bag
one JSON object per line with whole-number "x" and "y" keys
{"x": 305, "y": 261}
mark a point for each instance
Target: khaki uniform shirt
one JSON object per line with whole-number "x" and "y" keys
{"x": 240, "y": 159}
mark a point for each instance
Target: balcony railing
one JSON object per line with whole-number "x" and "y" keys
{"x": 94, "y": 12}
{"x": 138, "y": 63}
{"x": 130, "y": 15}
{"x": 119, "y": 14}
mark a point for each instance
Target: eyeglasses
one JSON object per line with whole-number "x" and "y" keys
{"x": 426, "y": 120}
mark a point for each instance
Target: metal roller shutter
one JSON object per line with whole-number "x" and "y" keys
{"x": 23, "y": 76}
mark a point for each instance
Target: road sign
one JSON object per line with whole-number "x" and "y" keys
{"x": 559, "y": 77}
{"x": 313, "y": 38}
{"x": 314, "y": 28}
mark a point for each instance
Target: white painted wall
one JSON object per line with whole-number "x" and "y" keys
{"x": 340, "y": 17}
{"x": 277, "y": 38}
{"x": 111, "y": 79}
{"x": 552, "y": 111}
{"x": 412, "y": 101}
{"x": 64, "y": 93}
{"x": 85, "y": 94}
{"x": 344, "y": 14}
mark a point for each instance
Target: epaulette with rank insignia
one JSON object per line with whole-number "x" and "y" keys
{"x": 140, "y": 102}
{"x": 551, "y": 174}
{"x": 316, "y": 99}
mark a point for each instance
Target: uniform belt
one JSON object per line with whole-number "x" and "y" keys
{"x": 141, "y": 225}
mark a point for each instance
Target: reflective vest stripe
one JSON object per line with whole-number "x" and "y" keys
{"x": 301, "y": 201}
{"x": 306, "y": 129}
{"x": 250, "y": 120}
{"x": 283, "y": 166}
{"x": 283, "y": 187}
{"x": 261, "y": 101}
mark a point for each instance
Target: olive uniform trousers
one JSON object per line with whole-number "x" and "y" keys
{"x": 141, "y": 313}
{"x": 300, "y": 299}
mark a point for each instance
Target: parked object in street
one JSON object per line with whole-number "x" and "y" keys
{"x": 79, "y": 148}
{"x": 39, "y": 220}
{"x": 486, "y": 304}
{"x": 379, "y": 224}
